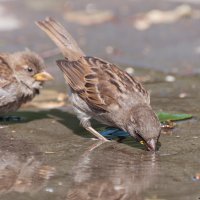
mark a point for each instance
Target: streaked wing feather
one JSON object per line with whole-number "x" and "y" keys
{"x": 112, "y": 81}
{"x": 98, "y": 82}
{"x": 78, "y": 79}
{"x": 6, "y": 80}
{"x": 6, "y": 73}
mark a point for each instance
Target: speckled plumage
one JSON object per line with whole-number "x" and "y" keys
{"x": 17, "y": 84}
{"x": 103, "y": 91}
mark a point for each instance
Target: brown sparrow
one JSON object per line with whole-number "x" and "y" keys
{"x": 21, "y": 77}
{"x": 102, "y": 91}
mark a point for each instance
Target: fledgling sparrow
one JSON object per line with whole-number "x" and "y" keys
{"x": 102, "y": 91}
{"x": 22, "y": 75}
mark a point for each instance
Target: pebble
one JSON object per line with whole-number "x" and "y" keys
{"x": 49, "y": 190}
{"x": 183, "y": 95}
{"x": 129, "y": 70}
{"x": 60, "y": 183}
{"x": 109, "y": 50}
{"x": 170, "y": 78}
{"x": 1, "y": 127}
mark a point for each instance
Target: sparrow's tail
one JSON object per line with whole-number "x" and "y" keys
{"x": 61, "y": 38}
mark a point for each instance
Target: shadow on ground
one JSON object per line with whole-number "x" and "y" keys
{"x": 70, "y": 121}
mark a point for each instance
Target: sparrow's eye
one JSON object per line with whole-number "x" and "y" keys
{"x": 29, "y": 69}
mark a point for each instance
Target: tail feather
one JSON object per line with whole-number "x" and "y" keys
{"x": 61, "y": 38}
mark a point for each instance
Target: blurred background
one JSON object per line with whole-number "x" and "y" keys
{"x": 157, "y": 34}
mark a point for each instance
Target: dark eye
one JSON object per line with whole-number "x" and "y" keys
{"x": 29, "y": 69}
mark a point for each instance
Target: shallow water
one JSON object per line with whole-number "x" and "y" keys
{"x": 49, "y": 156}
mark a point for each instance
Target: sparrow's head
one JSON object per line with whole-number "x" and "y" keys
{"x": 144, "y": 125}
{"x": 29, "y": 68}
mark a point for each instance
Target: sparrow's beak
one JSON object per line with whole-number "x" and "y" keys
{"x": 43, "y": 76}
{"x": 151, "y": 145}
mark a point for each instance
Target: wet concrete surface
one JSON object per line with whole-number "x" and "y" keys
{"x": 47, "y": 155}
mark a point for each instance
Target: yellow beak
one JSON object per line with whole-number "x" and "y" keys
{"x": 43, "y": 76}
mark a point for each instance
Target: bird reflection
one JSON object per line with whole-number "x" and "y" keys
{"x": 22, "y": 173}
{"x": 112, "y": 171}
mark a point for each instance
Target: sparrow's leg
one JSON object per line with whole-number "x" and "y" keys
{"x": 94, "y": 132}
{"x": 86, "y": 124}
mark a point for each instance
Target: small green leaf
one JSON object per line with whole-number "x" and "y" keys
{"x": 163, "y": 116}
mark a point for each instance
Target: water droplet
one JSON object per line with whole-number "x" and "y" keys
{"x": 49, "y": 190}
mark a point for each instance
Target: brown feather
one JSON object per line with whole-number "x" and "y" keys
{"x": 92, "y": 79}
{"x": 6, "y": 75}
{"x": 62, "y": 38}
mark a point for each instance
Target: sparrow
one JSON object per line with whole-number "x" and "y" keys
{"x": 22, "y": 75}
{"x": 102, "y": 91}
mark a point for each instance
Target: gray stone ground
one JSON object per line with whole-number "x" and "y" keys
{"x": 48, "y": 156}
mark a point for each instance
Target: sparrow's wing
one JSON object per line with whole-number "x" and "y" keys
{"x": 7, "y": 80}
{"x": 100, "y": 84}
{"x": 6, "y": 73}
